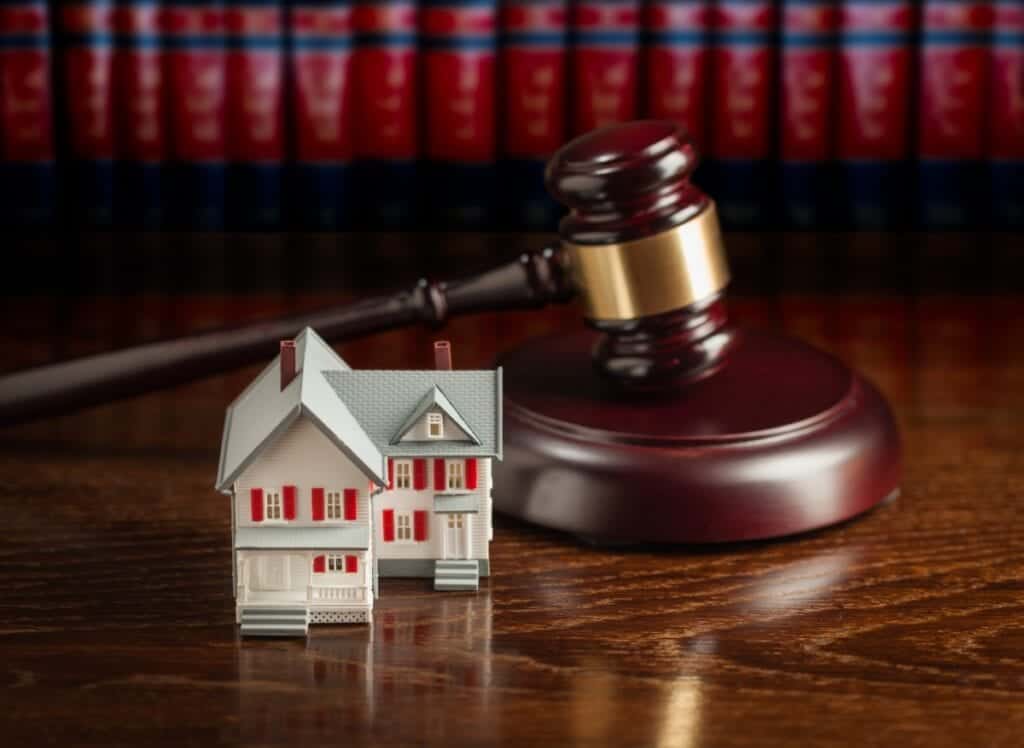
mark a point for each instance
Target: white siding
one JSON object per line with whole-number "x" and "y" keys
{"x": 411, "y": 500}
{"x": 302, "y": 457}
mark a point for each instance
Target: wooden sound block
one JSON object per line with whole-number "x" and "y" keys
{"x": 782, "y": 439}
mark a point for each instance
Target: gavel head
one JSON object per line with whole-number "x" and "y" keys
{"x": 645, "y": 251}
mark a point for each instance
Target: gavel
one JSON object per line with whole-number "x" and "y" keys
{"x": 656, "y": 422}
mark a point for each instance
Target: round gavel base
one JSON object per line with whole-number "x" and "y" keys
{"x": 782, "y": 440}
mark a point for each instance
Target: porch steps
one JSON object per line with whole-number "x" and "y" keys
{"x": 457, "y": 575}
{"x": 275, "y": 622}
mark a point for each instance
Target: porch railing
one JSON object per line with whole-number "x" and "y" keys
{"x": 325, "y": 594}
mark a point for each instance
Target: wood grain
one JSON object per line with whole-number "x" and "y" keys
{"x": 905, "y": 627}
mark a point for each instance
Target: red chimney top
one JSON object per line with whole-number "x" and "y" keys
{"x": 287, "y": 362}
{"x": 442, "y": 355}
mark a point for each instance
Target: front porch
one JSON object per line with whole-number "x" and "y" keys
{"x": 312, "y": 595}
{"x": 297, "y": 587}
{"x": 290, "y": 612}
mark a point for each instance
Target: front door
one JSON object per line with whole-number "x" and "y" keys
{"x": 274, "y": 572}
{"x": 456, "y": 536}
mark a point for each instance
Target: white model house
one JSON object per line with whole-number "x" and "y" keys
{"x": 339, "y": 476}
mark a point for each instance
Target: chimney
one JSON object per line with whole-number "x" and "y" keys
{"x": 287, "y": 362}
{"x": 442, "y": 355}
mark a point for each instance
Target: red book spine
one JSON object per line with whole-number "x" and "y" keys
{"x": 459, "y": 42}
{"x": 605, "y": 54}
{"x": 88, "y": 50}
{"x": 533, "y": 55}
{"x": 386, "y": 81}
{"x": 139, "y": 114}
{"x": 874, "y": 90}
{"x": 26, "y": 129}
{"x": 321, "y": 70}
{"x": 386, "y": 131}
{"x": 951, "y": 111}
{"x": 805, "y": 112}
{"x": 533, "y": 88}
{"x": 1006, "y": 115}
{"x": 196, "y": 61}
{"x": 743, "y": 56}
{"x": 255, "y": 113}
{"x": 678, "y": 56}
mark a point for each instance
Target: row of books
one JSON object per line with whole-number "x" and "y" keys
{"x": 328, "y": 114}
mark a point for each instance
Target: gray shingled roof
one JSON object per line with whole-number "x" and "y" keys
{"x": 360, "y": 411}
{"x": 382, "y": 400}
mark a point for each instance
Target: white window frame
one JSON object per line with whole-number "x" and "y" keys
{"x": 273, "y": 499}
{"x": 403, "y": 474}
{"x": 403, "y": 527}
{"x": 335, "y": 563}
{"x": 435, "y": 419}
{"x": 334, "y": 500}
{"x": 456, "y": 521}
{"x": 456, "y": 480}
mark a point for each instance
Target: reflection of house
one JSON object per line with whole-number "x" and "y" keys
{"x": 327, "y": 675}
{"x": 337, "y": 474}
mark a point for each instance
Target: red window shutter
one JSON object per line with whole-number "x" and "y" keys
{"x": 256, "y": 504}
{"x": 419, "y": 524}
{"x": 419, "y": 474}
{"x": 389, "y": 525}
{"x": 391, "y": 474}
{"x": 319, "y": 565}
{"x": 351, "y": 564}
{"x": 439, "y": 475}
{"x": 318, "y": 505}
{"x": 350, "y": 503}
{"x": 471, "y": 473}
{"x": 289, "y": 502}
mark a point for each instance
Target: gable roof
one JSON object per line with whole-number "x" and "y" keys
{"x": 383, "y": 401}
{"x": 434, "y": 398}
{"x": 264, "y": 411}
{"x": 361, "y": 412}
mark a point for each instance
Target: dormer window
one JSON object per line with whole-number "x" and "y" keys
{"x": 435, "y": 426}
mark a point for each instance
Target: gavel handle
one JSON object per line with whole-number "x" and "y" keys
{"x": 533, "y": 280}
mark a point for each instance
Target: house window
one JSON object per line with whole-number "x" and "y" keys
{"x": 454, "y": 521}
{"x": 272, "y": 506}
{"x": 335, "y": 562}
{"x": 435, "y": 426}
{"x": 334, "y": 510}
{"x": 403, "y": 474}
{"x": 403, "y": 526}
{"x": 455, "y": 474}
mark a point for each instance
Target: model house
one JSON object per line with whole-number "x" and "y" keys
{"x": 338, "y": 477}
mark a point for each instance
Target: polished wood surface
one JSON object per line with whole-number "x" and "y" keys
{"x": 904, "y": 627}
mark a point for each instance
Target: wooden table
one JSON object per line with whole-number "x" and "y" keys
{"x": 902, "y": 628}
